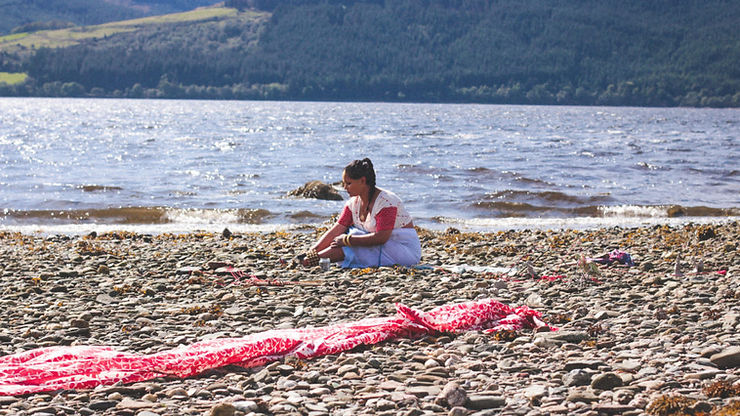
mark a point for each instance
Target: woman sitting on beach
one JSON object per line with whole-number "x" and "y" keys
{"x": 374, "y": 229}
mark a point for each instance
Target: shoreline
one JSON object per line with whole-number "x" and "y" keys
{"x": 475, "y": 225}
{"x": 627, "y": 337}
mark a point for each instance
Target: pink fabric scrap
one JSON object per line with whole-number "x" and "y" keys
{"x": 83, "y": 367}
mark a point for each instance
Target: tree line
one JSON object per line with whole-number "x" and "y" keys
{"x": 599, "y": 52}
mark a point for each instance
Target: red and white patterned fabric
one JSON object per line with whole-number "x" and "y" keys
{"x": 81, "y": 367}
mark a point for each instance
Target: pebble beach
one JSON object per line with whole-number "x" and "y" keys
{"x": 661, "y": 337}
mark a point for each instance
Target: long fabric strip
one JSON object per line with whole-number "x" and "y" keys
{"x": 82, "y": 367}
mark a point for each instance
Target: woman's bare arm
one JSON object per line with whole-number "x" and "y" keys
{"x": 328, "y": 238}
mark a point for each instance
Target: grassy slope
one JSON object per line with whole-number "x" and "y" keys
{"x": 74, "y": 35}
{"x": 12, "y": 78}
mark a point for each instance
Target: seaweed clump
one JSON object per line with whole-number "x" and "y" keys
{"x": 672, "y": 405}
{"x": 722, "y": 389}
{"x": 732, "y": 409}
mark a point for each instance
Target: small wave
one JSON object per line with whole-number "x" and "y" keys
{"x": 136, "y": 215}
{"x": 99, "y": 188}
{"x": 304, "y": 215}
{"x": 217, "y": 216}
{"x": 523, "y": 209}
{"x": 650, "y": 166}
{"x": 131, "y": 215}
{"x": 666, "y": 211}
{"x": 574, "y": 223}
{"x": 524, "y": 179}
{"x": 522, "y": 204}
{"x": 550, "y": 197}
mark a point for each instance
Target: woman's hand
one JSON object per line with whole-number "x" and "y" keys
{"x": 338, "y": 241}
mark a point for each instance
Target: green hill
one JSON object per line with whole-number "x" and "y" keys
{"x": 21, "y": 15}
{"x": 659, "y": 53}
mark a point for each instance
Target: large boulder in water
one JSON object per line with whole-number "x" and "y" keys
{"x": 317, "y": 190}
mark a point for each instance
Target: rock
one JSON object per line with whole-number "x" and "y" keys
{"x": 485, "y": 401}
{"x": 79, "y": 323}
{"x": 68, "y": 273}
{"x": 557, "y": 338}
{"x": 676, "y": 211}
{"x": 578, "y": 364}
{"x": 706, "y": 233}
{"x": 101, "y": 405}
{"x": 577, "y": 377}
{"x": 710, "y": 351}
{"x": 105, "y": 299}
{"x": 606, "y": 381}
{"x": 581, "y": 395}
{"x": 423, "y": 391}
{"x": 729, "y": 358}
{"x": 384, "y": 404}
{"x": 458, "y": 411}
{"x": 452, "y": 396}
{"x": 628, "y": 366}
{"x": 246, "y": 406}
{"x": 612, "y": 408}
{"x": 535, "y": 392}
{"x": 223, "y": 409}
{"x": 189, "y": 270}
{"x": 317, "y": 190}
{"x": 127, "y": 403}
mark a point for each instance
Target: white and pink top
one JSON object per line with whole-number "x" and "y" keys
{"x": 388, "y": 213}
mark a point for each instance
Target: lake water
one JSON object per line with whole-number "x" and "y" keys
{"x": 75, "y": 165}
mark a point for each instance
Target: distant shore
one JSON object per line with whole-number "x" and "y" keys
{"x": 631, "y": 339}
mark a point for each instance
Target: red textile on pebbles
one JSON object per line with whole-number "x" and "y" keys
{"x": 81, "y": 367}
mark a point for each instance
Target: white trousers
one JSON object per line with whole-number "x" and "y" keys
{"x": 402, "y": 248}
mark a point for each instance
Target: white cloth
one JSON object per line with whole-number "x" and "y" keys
{"x": 385, "y": 199}
{"x": 402, "y": 248}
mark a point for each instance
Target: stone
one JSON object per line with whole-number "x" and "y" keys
{"x": 581, "y": 395}
{"x": 577, "y": 377}
{"x": 128, "y": 403}
{"x": 606, "y": 381}
{"x": 101, "y": 405}
{"x": 317, "y": 190}
{"x": 452, "y": 395}
{"x": 535, "y": 392}
{"x": 628, "y": 365}
{"x": 458, "y": 411}
{"x": 574, "y": 364}
{"x": 558, "y": 338}
{"x": 485, "y": 401}
{"x": 729, "y": 358}
{"x": 384, "y": 404}
{"x": 79, "y": 323}
{"x": 612, "y": 408}
{"x": 223, "y": 409}
{"x": 423, "y": 391}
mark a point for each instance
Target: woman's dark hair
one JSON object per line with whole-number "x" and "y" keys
{"x": 359, "y": 168}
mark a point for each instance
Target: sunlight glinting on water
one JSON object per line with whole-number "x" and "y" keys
{"x": 470, "y": 163}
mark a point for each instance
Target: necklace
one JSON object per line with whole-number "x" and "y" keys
{"x": 364, "y": 212}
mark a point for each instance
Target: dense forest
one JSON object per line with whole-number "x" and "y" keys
{"x": 597, "y": 52}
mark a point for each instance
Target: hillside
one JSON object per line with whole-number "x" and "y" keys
{"x": 660, "y": 53}
{"x": 18, "y": 15}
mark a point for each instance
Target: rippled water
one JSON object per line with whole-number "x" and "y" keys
{"x": 74, "y": 164}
